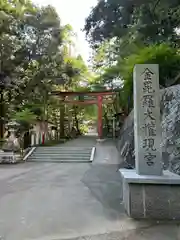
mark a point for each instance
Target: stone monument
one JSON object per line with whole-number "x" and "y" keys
{"x": 148, "y": 192}
{"x": 11, "y": 151}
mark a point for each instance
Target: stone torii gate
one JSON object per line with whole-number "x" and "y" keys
{"x": 88, "y": 98}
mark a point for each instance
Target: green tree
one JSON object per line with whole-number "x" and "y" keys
{"x": 167, "y": 57}
{"x": 13, "y": 54}
{"x": 147, "y": 21}
{"x": 35, "y": 60}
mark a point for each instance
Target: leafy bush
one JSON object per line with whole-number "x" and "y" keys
{"x": 25, "y": 118}
{"x": 169, "y": 66}
{"x": 83, "y": 129}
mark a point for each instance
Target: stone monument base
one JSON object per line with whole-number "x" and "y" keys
{"x": 151, "y": 197}
{"x": 9, "y": 157}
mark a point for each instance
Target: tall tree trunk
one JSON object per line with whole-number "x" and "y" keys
{"x": 57, "y": 126}
{"x": 106, "y": 121}
{"x": 69, "y": 119}
{"x": 62, "y": 115}
{"x": 1, "y": 114}
{"x": 76, "y": 119}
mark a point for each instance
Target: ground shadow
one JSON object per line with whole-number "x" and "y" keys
{"x": 105, "y": 184}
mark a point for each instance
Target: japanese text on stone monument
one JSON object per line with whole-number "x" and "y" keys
{"x": 149, "y": 128}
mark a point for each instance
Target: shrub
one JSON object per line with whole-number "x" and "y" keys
{"x": 169, "y": 66}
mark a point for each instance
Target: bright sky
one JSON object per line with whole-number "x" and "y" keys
{"x": 74, "y": 12}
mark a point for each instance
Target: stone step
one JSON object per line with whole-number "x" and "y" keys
{"x": 60, "y": 156}
{"x": 60, "y": 160}
{"x": 64, "y": 148}
{"x": 62, "y": 153}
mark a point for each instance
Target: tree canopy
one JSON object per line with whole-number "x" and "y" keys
{"x": 127, "y": 32}
{"x": 35, "y": 58}
{"x": 149, "y": 21}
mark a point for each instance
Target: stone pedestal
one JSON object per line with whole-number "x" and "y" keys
{"x": 151, "y": 197}
{"x": 9, "y": 157}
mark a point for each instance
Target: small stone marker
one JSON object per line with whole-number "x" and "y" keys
{"x": 147, "y": 129}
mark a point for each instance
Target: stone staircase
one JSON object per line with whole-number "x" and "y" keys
{"x": 62, "y": 154}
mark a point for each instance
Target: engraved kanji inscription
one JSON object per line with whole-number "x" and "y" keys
{"x": 147, "y": 74}
{"x": 148, "y": 101}
{"x": 148, "y": 115}
{"x": 150, "y": 129}
{"x": 149, "y": 158}
{"x": 147, "y": 87}
{"x": 148, "y": 144}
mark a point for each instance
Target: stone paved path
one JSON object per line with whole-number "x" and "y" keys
{"x": 153, "y": 232}
{"x": 80, "y": 201}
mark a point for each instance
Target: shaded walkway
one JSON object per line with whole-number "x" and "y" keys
{"x": 103, "y": 178}
{"x": 83, "y": 141}
{"x": 52, "y": 201}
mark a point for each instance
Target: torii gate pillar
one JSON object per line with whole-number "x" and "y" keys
{"x": 100, "y": 113}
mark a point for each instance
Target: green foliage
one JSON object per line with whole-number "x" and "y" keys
{"x": 36, "y": 111}
{"x": 35, "y": 59}
{"x": 25, "y": 118}
{"x": 90, "y": 112}
{"x": 83, "y": 129}
{"x": 121, "y": 73}
{"x": 169, "y": 66}
{"x": 148, "y": 21}
{"x": 110, "y": 74}
{"x": 124, "y": 33}
{"x": 25, "y": 115}
{"x": 105, "y": 55}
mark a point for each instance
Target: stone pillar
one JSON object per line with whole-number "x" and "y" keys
{"x": 147, "y": 130}
{"x": 148, "y": 192}
{"x": 37, "y": 138}
{"x": 32, "y": 138}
